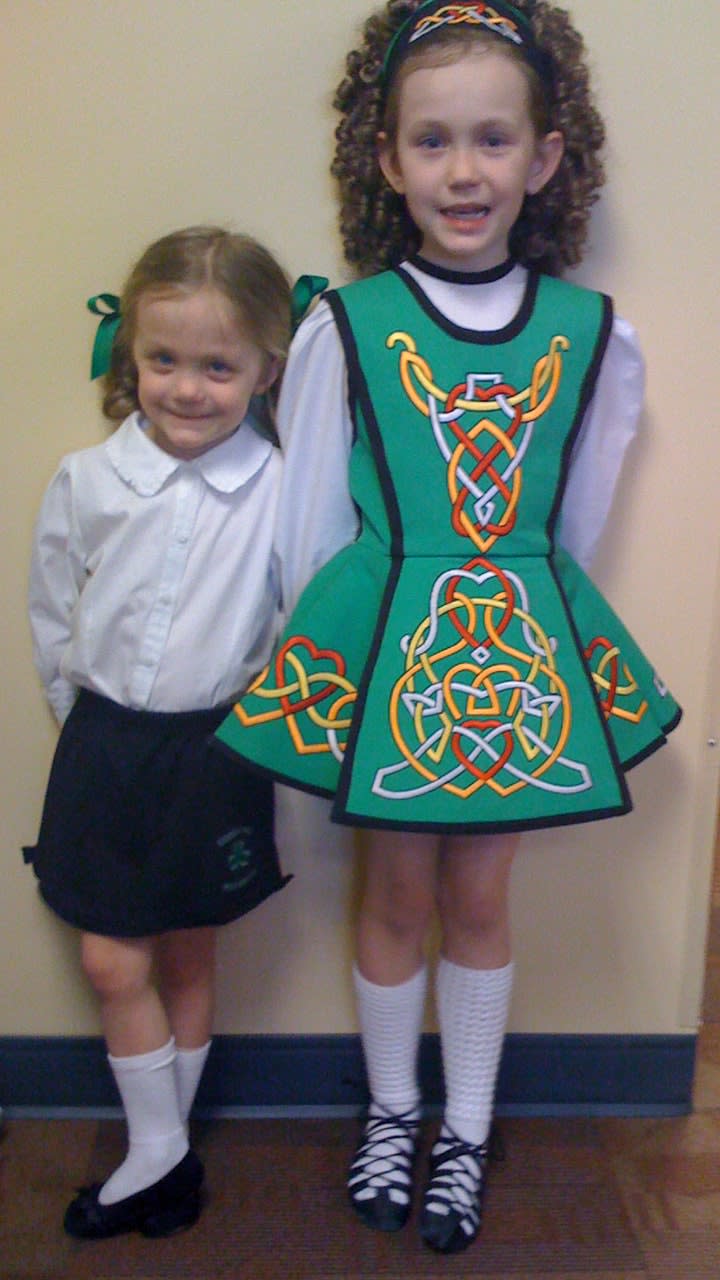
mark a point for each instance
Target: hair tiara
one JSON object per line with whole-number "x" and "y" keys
{"x": 499, "y": 18}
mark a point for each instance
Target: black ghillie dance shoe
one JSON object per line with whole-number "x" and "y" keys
{"x": 452, "y": 1203}
{"x": 380, "y": 1177}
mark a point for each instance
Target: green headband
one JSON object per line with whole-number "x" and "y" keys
{"x": 499, "y": 18}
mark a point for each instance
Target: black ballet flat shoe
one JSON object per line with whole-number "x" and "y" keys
{"x": 171, "y": 1204}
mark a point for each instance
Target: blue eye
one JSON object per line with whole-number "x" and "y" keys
{"x": 219, "y": 368}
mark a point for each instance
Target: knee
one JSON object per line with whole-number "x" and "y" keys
{"x": 115, "y": 968}
{"x": 479, "y": 914}
{"x": 186, "y": 959}
{"x": 401, "y": 908}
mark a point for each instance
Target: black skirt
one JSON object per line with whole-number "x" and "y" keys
{"x": 148, "y": 826}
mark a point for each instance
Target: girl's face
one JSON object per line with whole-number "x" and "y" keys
{"x": 196, "y": 369}
{"x": 465, "y": 156}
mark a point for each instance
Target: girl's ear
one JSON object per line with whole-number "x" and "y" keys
{"x": 548, "y": 154}
{"x": 269, "y": 372}
{"x": 387, "y": 159}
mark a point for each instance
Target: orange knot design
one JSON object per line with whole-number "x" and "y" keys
{"x": 616, "y": 687}
{"x": 308, "y": 688}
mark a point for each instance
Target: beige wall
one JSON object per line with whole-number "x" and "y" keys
{"x": 129, "y": 117}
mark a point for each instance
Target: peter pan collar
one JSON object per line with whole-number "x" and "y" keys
{"x": 142, "y": 465}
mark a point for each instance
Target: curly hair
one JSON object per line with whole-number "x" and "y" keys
{"x": 238, "y": 267}
{"x": 550, "y": 234}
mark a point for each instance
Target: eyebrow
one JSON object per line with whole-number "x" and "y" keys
{"x": 493, "y": 122}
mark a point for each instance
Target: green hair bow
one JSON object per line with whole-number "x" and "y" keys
{"x": 303, "y": 291}
{"x": 107, "y": 306}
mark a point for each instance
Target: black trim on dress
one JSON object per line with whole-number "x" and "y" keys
{"x": 587, "y": 391}
{"x": 463, "y": 277}
{"x": 359, "y": 396}
{"x": 480, "y": 337}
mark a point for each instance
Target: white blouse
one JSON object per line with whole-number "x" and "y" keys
{"x": 151, "y": 579}
{"x": 316, "y": 514}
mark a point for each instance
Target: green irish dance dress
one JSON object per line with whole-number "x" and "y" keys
{"x": 454, "y": 669}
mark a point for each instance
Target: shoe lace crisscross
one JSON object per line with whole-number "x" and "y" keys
{"x": 384, "y": 1159}
{"x": 452, "y": 1205}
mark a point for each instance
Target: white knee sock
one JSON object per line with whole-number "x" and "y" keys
{"x": 472, "y": 1008}
{"x": 156, "y": 1134}
{"x": 189, "y": 1066}
{"x": 391, "y": 1021}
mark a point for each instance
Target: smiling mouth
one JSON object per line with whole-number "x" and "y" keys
{"x": 466, "y": 212}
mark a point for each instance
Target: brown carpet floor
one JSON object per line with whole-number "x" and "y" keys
{"x": 577, "y": 1199}
{"x": 574, "y": 1199}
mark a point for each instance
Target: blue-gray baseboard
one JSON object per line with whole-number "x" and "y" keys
{"x": 540, "y": 1074}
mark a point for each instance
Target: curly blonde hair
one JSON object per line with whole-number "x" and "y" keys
{"x": 550, "y": 234}
{"x": 237, "y": 266}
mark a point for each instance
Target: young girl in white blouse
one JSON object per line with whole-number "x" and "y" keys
{"x": 152, "y": 605}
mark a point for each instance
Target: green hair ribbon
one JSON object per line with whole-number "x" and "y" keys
{"x": 107, "y": 306}
{"x": 303, "y": 291}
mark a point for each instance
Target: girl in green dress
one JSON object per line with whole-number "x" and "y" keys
{"x": 453, "y": 425}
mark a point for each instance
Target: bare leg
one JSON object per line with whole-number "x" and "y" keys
{"x": 186, "y": 973}
{"x": 397, "y": 905}
{"x": 186, "y": 969}
{"x": 142, "y": 1058}
{"x": 473, "y": 899}
{"x": 121, "y": 973}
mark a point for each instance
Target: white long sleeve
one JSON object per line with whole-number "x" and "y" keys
{"x": 56, "y": 579}
{"x": 610, "y": 425}
{"x": 316, "y": 514}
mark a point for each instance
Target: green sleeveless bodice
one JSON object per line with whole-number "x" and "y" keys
{"x": 451, "y": 669}
{"x": 472, "y": 435}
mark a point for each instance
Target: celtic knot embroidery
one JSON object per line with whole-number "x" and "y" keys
{"x": 483, "y": 454}
{"x": 307, "y": 687}
{"x": 480, "y": 701}
{"x": 615, "y": 685}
